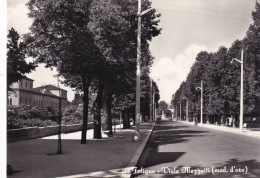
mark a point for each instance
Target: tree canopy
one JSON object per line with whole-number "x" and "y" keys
{"x": 221, "y": 79}
{"x": 17, "y": 66}
{"x": 93, "y": 45}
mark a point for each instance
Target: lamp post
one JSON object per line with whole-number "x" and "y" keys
{"x": 201, "y": 101}
{"x": 151, "y": 100}
{"x": 138, "y": 72}
{"x": 180, "y": 110}
{"x": 59, "y": 151}
{"x": 154, "y": 105}
{"x": 176, "y": 112}
{"x": 241, "y": 90}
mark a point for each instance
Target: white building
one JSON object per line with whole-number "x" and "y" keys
{"x": 23, "y": 93}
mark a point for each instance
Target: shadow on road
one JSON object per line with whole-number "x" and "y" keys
{"x": 166, "y": 133}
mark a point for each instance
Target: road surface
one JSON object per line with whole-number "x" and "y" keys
{"x": 180, "y": 150}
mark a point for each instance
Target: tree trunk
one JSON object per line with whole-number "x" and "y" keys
{"x": 107, "y": 113}
{"x": 127, "y": 119}
{"x": 133, "y": 115}
{"x": 124, "y": 119}
{"x": 97, "y": 106}
{"x": 85, "y": 99}
{"x": 143, "y": 117}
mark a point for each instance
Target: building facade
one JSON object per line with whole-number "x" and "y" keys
{"x": 23, "y": 93}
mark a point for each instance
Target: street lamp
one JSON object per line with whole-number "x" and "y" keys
{"x": 138, "y": 72}
{"x": 152, "y": 101}
{"x": 180, "y": 110}
{"x": 176, "y": 112}
{"x": 201, "y": 101}
{"x": 154, "y": 105}
{"x": 59, "y": 151}
{"x": 241, "y": 90}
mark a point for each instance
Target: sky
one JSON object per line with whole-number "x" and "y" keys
{"x": 188, "y": 27}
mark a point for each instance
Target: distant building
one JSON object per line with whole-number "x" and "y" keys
{"x": 23, "y": 93}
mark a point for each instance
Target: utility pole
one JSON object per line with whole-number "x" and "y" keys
{"x": 201, "y": 102}
{"x": 151, "y": 100}
{"x": 138, "y": 72}
{"x": 180, "y": 110}
{"x": 241, "y": 93}
{"x": 59, "y": 151}
{"x": 154, "y": 108}
{"x": 187, "y": 109}
{"x": 241, "y": 89}
{"x": 176, "y": 112}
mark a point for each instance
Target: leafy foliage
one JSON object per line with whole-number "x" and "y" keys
{"x": 221, "y": 80}
{"x": 163, "y": 105}
{"x": 30, "y": 116}
{"x": 93, "y": 45}
{"x": 16, "y": 64}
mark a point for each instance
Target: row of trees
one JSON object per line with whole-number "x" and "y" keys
{"x": 93, "y": 43}
{"x": 221, "y": 79}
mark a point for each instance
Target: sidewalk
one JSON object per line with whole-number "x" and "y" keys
{"x": 246, "y": 131}
{"x": 107, "y": 157}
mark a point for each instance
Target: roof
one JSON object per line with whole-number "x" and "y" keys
{"x": 49, "y": 87}
{"x": 27, "y": 78}
{"x": 37, "y": 91}
{"x": 46, "y": 92}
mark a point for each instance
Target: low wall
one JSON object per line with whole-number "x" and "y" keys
{"x": 38, "y": 132}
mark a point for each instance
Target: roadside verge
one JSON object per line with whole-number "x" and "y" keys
{"x": 127, "y": 173}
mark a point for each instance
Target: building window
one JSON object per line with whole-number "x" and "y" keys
{"x": 26, "y": 85}
{"x": 21, "y": 83}
{"x": 10, "y": 102}
{"x": 21, "y": 100}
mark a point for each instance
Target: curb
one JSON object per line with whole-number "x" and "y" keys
{"x": 224, "y": 130}
{"x": 127, "y": 173}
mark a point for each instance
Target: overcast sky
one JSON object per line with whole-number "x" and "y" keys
{"x": 188, "y": 27}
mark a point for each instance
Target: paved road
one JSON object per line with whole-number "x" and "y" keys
{"x": 173, "y": 146}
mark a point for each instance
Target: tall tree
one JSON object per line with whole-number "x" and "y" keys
{"x": 114, "y": 26}
{"x": 222, "y": 80}
{"x": 163, "y": 105}
{"x": 252, "y": 65}
{"x": 60, "y": 38}
{"x": 17, "y": 67}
